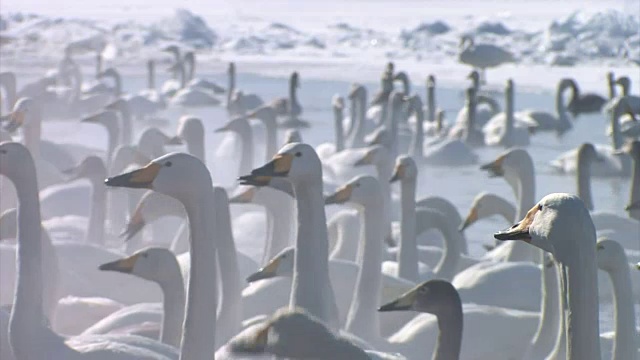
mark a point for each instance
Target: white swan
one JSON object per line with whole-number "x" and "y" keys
{"x": 503, "y": 129}
{"x": 311, "y": 288}
{"x": 560, "y": 224}
{"x": 482, "y": 56}
{"x": 191, "y": 96}
{"x": 239, "y": 102}
{"x": 171, "y": 175}
{"x": 190, "y": 60}
{"x": 611, "y": 164}
{"x": 289, "y": 107}
{"x": 633, "y": 149}
{"x": 26, "y": 324}
{"x": 545, "y": 121}
{"x": 632, "y": 100}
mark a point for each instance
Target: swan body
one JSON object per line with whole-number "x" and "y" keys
{"x": 503, "y": 129}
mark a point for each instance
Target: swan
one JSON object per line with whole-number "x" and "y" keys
{"x": 633, "y": 149}
{"x": 290, "y": 107}
{"x": 560, "y": 224}
{"x": 610, "y": 164}
{"x": 544, "y": 121}
{"x": 240, "y": 126}
{"x": 191, "y": 132}
{"x": 503, "y": 129}
{"x": 482, "y": 56}
{"x": 612, "y": 259}
{"x": 185, "y": 178}
{"x": 26, "y": 324}
{"x": 625, "y": 229}
{"x": 160, "y": 266}
{"x": 485, "y": 205}
{"x": 171, "y": 86}
{"x": 481, "y": 114}
{"x": 149, "y": 101}
{"x": 190, "y": 60}
{"x": 109, "y": 120}
{"x": 583, "y": 103}
{"x": 190, "y": 96}
{"x": 632, "y": 100}
{"x": 378, "y": 106}
{"x": 439, "y": 298}
{"x": 239, "y": 102}
{"x": 311, "y": 288}
{"x": 516, "y": 167}
{"x": 267, "y": 116}
{"x": 10, "y": 94}
{"x": 126, "y": 122}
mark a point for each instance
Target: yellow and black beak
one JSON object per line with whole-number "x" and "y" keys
{"x": 341, "y": 196}
{"x": 267, "y": 272}
{"x": 519, "y": 231}
{"x": 244, "y": 197}
{"x": 404, "y": 302}
{"x": 125, "y": 265}
{"x": 494, "y": 168}
{"x": 278, "y": 167}
{"x": 398, "y": 173}
{"x": 135, "y": 224}
{"x": 137, "y": 179}
{"x": 14, "y": 120}
{"x": 472, "y": 217}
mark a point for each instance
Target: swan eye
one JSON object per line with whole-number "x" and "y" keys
{"x": 298, "y": 154}
{"x": 357, "y": 184}
{"x": 145, "y": 255}
{"x": 167, "y": 164}
{"x": 539, "y": 207}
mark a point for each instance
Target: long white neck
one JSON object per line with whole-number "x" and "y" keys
{"x": 431, "y": 102}
{"x": 509, "y": 121}
{"x": 271, "y": 143}
{"x": 524, "y": 187}
{"x": 32, "y": 134}
{"x": 246, "y": 157}
{"x": 280, "y": 207}
{"x": 417, "y": 140}
{"x": 584, "y": 181}
{"x": 27, "y": 317}
{"x": 311, "y": 288}
{"x": 338, "y": 129}
{"x": 232, "y": 86}
{"x": 95, "y": 230}
{"x": 362, "y": 319}
{"x": 505, "y": 209}
{"x": 452, "y": 246}
{"x": 635, "y": 189}
{"x": 625, "y": 345}
{"x": 173, "y": 292}
{"x": 550, "y": 324}
{"x": 408, "y": 254}
{"x": 199, "y": 329}
{"x": 230, "y": 315}
{"x": 127, "y": 126}
{"x": 446, "y": 208}
{"x": 578, "y": 274}
{"x": 384, "y": 167}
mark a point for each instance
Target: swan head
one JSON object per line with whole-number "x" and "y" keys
{"x": 610, "y": 255}
{"x": 23, "y": 113}
{"x": 625, "y": 83}
{"x": 552, "y": 224}
{"x": 106, "y": 118}
{"x": 297, "y": 162}
{"x": 480, "y": 208}
{"x": 172, "y": 49}
{"x": 337, "y": 101}
{"x": 280, "y": 265}
{"x": 358, "y": 190}
{"x": 90, "y": 167}
{"x": 631, "y": 148}
{"x": 372, "y": 156}
{"x": 178, "y": 175}
{"x": 238, "y": 125}
{"x": 405, "y": 169}
{"x": 434, "y": 297}
{"x": 151, "y": 207}
{"x": 295, "y": 80}
{"x": 263, "y": 113}
{"x": 153, "y": 140}
{"x": 120, "y": 105}
{"x": 14, "y": 161}
{"x": 292, "y": 136}
{"x": 190, "y": 128}
{"x": 149, "y": 264}
{"x": 509, "y": 164}
{"x": 474, "y": 76}
{"x": 431, "y": 81}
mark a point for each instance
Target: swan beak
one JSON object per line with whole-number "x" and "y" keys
{"x": 93, "y": 119}
{"x": 267, "y": 272}
{"x": 339, "y": 197}
{"x": 221, "y": 129}
{"x": 278, "y": 167}
{"x": 398, "y": 173}
{"x": 137, "y": 179}
{"x": 123, "y": 265}
{"x": 135, "y": 224}
{"x": 366, "y": 160}
{"x": 404, "y": 302}
{"x": 634, "y": 206}
{"x": 175, "y": 140}
{"x": 519, "y": 231}
{"x": 244, "y": 197}
{"x": 471, "y": 218}
{"x": 494, "y": 168}
{"x": 15, "y": 120}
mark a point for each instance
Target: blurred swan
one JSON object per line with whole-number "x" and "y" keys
{"x": 190, "y": 96}
{"x": 544, "y": 121}
{"x": 239, "y": 102}
{"x": 26, "y": 322}
{"x": 289, "y": 107}
{"x": 504, "y": 129}
{"x": 190, "y": 60}
{"x": 583, "y": 103}
{"x": 632, "y": 100}
{"x": 482, "y": 56}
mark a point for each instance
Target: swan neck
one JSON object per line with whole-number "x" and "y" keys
{"x": 625, "y": 345}
{"x": 584, "y": 181}
{"x": 33, "y": 134}
{"x": 337, "y": 125}
{"x": 230, "y": 316}
{"x": 408, "y": 258}
{"x": 310, "y": 287}
{"x": 172, "y": 286}
{"x": 27, "y": 316}
{"x": 198, "y": 337}
{"x": 127, "y": 126}
{"x": 280, "y": 208}
{"x": 431, "y": 103}
{"x": 96, "y": 228}
{"x": 580, "y": 301}
{"x": 151, "y": 80}
{"x": 505, "y": 209}
{"x": 363, "y": 320}
{"x": 232, "y": 86}
{"x": 451, "y": 249}
{"x": 246, "y": 159}
{"x": 635, "y": 188}
{"x": 271, "y": 147}
{"x": 418, "y": 136}
{"x": 450, "y": 336}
